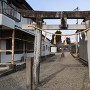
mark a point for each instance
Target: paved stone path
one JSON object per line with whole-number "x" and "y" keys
{"x": 56, "y": 74}
{"x": 63, "y": 74}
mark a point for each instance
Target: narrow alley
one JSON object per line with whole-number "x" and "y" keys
{"x": 64, "y": 73}
{"x": 56, "y": 73}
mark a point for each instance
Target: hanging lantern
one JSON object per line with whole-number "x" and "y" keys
{"x": 86, "y": 38}
{"x": 54, "y": 39}
{"x": 80, "y": 36}
{"x": 65, "y": 43}
{"x": 76, "y": 38}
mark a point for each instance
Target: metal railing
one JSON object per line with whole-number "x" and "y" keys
{"x": 9, "y": 11}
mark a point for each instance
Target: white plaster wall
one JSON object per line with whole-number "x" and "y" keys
{"x": 4, "y": 20}
{"x": 53, "y": 49}
{"x": 43, "y": 44}
{"x": 22, "y": 22}
{"x": 30, "y": 55}
{"x": 7, "y": 58}
{"x": 46, "y": 52}
{"x": 83, "y": 54}
{"x": 0, "y": 19}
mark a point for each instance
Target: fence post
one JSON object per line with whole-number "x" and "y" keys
{"x": 29, "y": 74}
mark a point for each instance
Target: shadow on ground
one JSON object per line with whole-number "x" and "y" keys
{"x": 50, "y": 77}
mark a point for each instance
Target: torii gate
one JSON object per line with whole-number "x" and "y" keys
{"x": 63, "y": 15}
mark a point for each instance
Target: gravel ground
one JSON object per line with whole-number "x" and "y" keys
{"x": 63, "y": 74}
{"x": 15, "y": 81}
{"x": 56, "y": 74}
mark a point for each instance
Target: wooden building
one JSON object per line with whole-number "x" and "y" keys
{"x": 16, "y": 43}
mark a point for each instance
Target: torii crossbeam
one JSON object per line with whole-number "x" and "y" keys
{"x": 55, "y": 14}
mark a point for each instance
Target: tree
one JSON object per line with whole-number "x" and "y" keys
{"x": 72, "y": 47}
{"x": 58, "y": 37}
{"x": 52, "y": 40}
{"x": 68, "y": 40}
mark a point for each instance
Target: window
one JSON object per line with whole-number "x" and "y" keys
{"x": 8, "y": 46}
{"x": 29, "y": 47}
{"x": 46, "y": 47}
{"x": 43, "y": 48}
{"x": 10, "y": 11}
{"x": 28, "y": 21}
{"x": 18, "y": 46}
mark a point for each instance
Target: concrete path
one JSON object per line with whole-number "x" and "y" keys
{"x": 63, "y": 74}
{"x": 56, "y": 74}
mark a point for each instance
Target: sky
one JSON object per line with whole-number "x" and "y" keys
{"x": 60, "y": 5}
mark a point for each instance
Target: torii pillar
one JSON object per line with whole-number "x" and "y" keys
{"x": 88, "y": 45}
{"x": 37, "y": 52}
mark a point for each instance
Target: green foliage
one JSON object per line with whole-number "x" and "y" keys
{"x": 72, "y": 44}
{"x": 68, "y": 40}
{"x": 52, "y": 40}
{"x": 73, "y": 48}
{"x": 58, "y": 37}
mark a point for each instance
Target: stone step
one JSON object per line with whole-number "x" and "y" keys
{"x": 4, "y": 68}
{"x": 8, "y": 68}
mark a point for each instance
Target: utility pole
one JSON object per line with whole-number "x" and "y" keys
{"x": 76, "y": 34}
{"x": 76, "y": 44}
{"x": 77, "y": 11}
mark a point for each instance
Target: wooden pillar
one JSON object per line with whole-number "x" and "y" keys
{"x": 28, "y": 74}
{"x": 0, "y": 52}
{"x": 24, "y": 51}
{"x": 13, "y": 40}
